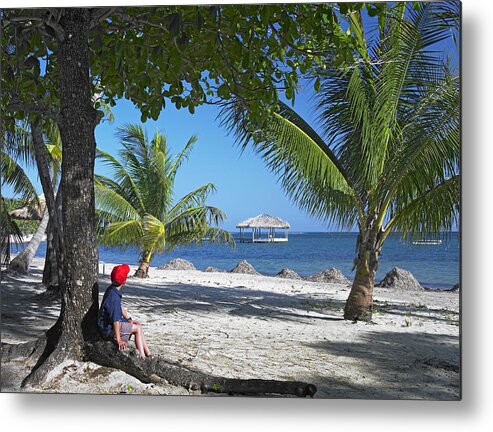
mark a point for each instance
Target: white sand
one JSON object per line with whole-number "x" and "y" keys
{"x": 247, "y": 326}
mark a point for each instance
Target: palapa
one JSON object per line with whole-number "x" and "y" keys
{"x": 264, "y": 221}
{"x": 33, "y": 211}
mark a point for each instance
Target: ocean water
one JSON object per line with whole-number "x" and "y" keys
{"x": 434, "y": 266}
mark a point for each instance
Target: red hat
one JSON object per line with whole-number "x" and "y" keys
{"x": 119, "y": 274}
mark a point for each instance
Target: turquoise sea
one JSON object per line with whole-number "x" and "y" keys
{"x": 435, "y": 266}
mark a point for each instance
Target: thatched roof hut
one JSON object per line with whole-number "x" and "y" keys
{"x": 30, "y": 212}
{"x": 266, "y": 222}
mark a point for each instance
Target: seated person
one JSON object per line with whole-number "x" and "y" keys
{"x": 113, "y": 320}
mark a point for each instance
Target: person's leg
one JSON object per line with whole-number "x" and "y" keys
{"x": 144, "y": 344}
{"x": 137, "y": 332}
{"x": 142, "y": 341}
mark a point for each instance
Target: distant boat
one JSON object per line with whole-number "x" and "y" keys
{"x": 427, "y": 242}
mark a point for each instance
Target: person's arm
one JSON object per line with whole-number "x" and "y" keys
{"x": 129, "y": 319}
{"x": 125, "y": 315}
{"x": 116, "y": 328}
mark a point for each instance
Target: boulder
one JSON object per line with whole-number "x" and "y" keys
{"x": 288, "y": 273}
{"x": 331, "y": 275}
{"x": 455, "y": 288}
{"x": 400, "y": 279}
{"x": 178, "y": 264}
{"x": 210, "y": 269}
{"x": 244, "y": 267}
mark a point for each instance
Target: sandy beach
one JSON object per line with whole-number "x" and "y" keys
{"x": 248, "y": 326}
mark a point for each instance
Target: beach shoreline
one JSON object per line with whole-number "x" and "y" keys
{"x": 254, "y": 326}
{"x": 434, "y": 266}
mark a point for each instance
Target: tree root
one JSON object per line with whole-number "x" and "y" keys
{"x": 149, "y": 370}
{"x": 157, "y": 370}
{"x": 31, "y": 350}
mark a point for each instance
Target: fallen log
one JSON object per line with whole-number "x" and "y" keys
{"x": 155, "y": 370}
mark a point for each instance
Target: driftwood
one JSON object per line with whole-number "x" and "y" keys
{"x": 158, "y": 370}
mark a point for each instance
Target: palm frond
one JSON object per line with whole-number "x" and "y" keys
{"x": 153, "y": 238}
{"x": 195, "y": 198}
{"x": 18, "y": 144}
{"x": 183, "y": 155}
{"x": 123, "y": 234}
{"x": 192, "y": 223}
{"x": 8, "y": 226}
{"x": 430, "y": 144}
{"x": 159, "y": 184}
{"x": 309, "y": 172}
{"x": 15, "y": 176}
{"x": 126, "y": 184}
{"x": 430, "y": 213}
{"x": 112, "y": 202}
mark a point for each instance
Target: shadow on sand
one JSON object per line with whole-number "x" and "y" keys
{"x": 409, "y": 365}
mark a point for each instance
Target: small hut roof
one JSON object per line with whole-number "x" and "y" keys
{"x": 31, "y": 211}
{"x": 263, "y": 221}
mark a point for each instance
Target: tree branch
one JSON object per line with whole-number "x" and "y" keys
{"x": 35, "y": 108}
{"x": 100, "y": 14}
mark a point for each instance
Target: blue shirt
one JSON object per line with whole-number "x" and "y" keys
{"x": 110, "y": 311}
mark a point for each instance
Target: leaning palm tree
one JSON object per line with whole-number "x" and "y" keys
{"x": 386, "y": 157}
{"x": 137, "y": 207}
{"x": 21, "y": 146}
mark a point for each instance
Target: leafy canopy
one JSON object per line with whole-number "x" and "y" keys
{"x": 183, "y": 55}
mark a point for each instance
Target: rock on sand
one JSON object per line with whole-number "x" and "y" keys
{"x": 210, "y": 269}
{"x": 455, "y": 288}
{"x": 244, "y": 267}
{"x": 288, "y": 273}
{"x": 178, "y": 264}
{"x": 331, "y": 275}
{"x": 400, "y": 279}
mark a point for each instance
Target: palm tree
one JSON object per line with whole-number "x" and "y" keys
{"x": 21, "y": 146}
{"x": 9, "y": 230}
{"x": 387, "y": 157}
{"x": 137, "y": 207}
{"x": 14, "y": 153}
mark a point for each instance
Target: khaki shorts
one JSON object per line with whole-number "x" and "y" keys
{"x": 125, "y": 330}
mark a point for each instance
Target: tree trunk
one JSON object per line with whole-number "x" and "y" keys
{"x": 77, "y": 121}
{"x": 22, "y": 262}
{"x": 144, "y": 263}
{"x": 48, "y": 190}
{"x": 157, "y": 369}
{"x": 143, "y": 270}
{"x": 359, "y": 304}
{"x": 52, "y": 272}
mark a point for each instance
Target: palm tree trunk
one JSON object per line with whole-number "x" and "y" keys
{"x": 50, "y": 275}
{"x": 22, "y": 262}
{"x": 144, "y": 263}
{"x": 359, "y": 304}
{"x": 54, "y": 256}
{"x": 52, "y": 203}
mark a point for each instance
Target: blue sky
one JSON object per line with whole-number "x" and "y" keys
{"x": 244, "y": 185}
